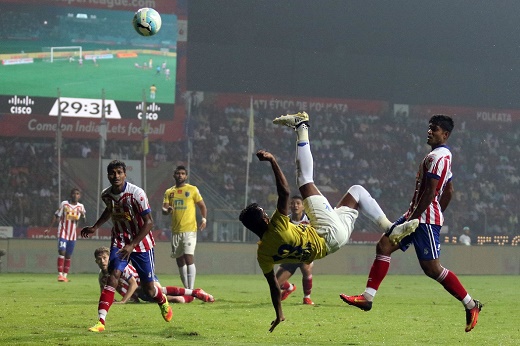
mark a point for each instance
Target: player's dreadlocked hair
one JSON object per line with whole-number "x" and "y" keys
{"x": 445, "y": 122}
{"x": 252, "y": 217}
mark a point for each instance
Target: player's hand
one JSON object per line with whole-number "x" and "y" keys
{"x": 202, "y": 224}
{"x": 86, "y": 231}
{"x": 275, "y": 323}
{"x": 124, "y": 253}
{"x": 264, "y": 155}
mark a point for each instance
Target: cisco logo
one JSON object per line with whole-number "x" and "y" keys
{"x": 151, "y": 111}
{"x": 20, "y": 105}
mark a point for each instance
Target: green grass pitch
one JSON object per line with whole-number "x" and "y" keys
{"x": 409, "y": 310}
{"x": 118, "y": 76}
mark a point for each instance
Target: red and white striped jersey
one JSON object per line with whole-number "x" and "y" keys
{"x": 127, "y": 210}
{"x": 125, "y": 278}
{"x": 436, "y": 165}
{"x": 69, "y": 215}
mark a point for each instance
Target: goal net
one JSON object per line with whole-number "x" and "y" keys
{"x": 71, "y": 53}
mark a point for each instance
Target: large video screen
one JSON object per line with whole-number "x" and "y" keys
{"x": 84, "y": 54}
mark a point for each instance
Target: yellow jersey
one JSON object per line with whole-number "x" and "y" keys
{"x": 284, "y": 242}
{"x": 183, "y": 200}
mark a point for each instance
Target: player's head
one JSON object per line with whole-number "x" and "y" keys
{"x": 116, "y": 171}
{"x": 116, "y": 164}
{"x": 439, "y": 129}
{"x": 180, "y": 175}
{"x": 296, "y": 204}
{"x": 254, "y": 218}
{"x": 102, "y": 255}
{"x": 75, "y": 195}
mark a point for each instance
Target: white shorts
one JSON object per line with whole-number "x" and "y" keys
{"x": 335, "y": 225}
{"x": 183, "y": 243}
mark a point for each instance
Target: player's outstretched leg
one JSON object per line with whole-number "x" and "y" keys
{"x": 292, "y": 120}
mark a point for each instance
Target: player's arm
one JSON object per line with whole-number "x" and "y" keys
{"x": 132, "y": 287}
{"x": 275, "y": 298}
{"x": 446, "y": 195}
{"x": 143, "y": 232}
{"x": 203, "y": 213}
{"x": 426, "y": 198}
{"x": 282, "y": 186}
{"x": 86, "y": 231}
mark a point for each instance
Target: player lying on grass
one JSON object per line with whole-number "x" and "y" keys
{"x": 129, "y": 284}
{"x": 330, "y": 228}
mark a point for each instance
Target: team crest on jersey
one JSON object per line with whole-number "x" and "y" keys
{"x": 187, "y": 194}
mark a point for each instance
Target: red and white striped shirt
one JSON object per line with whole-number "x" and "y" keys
{"x": 125, "y": 278}
{"x": 127, "y": 210}
{"x": 69, "y": 215}
{"x": 436, "y": 165}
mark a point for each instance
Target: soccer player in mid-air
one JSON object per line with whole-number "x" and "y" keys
{"x": 132, "y": 240}
{"x": 432, "y": 194}
{"x": 330, "y": 228}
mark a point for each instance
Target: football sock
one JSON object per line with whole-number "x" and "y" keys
{"x": 188, "y": 299}
{"x": 451, "y": 283}
{"x": 159, "y": 297}
{"x": 307, "y": 285}
{"x": 66, "y": 267}
{"x": 377, "y": 274}
{"x": 304, "y": 163}
{"x": 105, "y": 302}
{"x": 174, "y": 291}
{"x": 192, "y": 272}
{"x": 183, "y": 271}
{"x": 286, "y": 285}
{"x": 369, "y": 206}
{"x": 61, "y": 262}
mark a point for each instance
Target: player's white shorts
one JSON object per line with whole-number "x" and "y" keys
{"x": 183, "y": 243}
{"x": 335, "y": 225}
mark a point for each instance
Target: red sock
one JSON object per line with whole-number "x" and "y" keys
{"x": 61, "y": 261}
{"x": 175, "y": 291}
{"x": 451, "y": 283}
{"x": 188, "y": 299}
{"x": 66, "y": 266}
{"x": 106, "y": 299}
{"x": 378, "y": 271}
{"x": 307, "y": 285}
{"x": 285, "y": 285}
{"x": 159, "y": 297}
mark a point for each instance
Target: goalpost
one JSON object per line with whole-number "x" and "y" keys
{"x": 62, "y": 53}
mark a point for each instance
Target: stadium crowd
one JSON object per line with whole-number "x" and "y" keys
{"x": 379, "y": 151}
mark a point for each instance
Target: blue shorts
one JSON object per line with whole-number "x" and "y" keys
{"x": 66, "y": 245}
{"x": 425, "y": 240}
{"x": 144, "y": 263}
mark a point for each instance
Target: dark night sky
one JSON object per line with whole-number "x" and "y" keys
{"x": 405, "y": 51}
